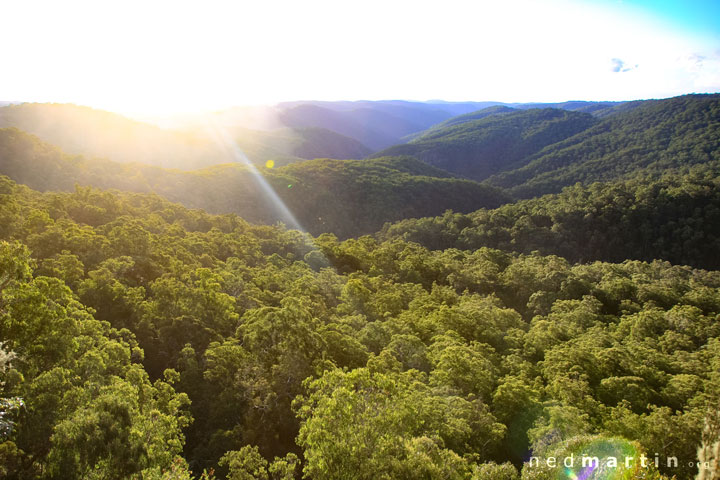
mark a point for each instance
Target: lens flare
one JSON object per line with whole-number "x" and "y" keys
{"x": 601, "y": 459}
{"x": 223, "y": 138}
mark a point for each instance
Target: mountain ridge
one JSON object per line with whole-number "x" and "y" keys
{"x": 477, "y": 148}
{"x": 654, "y": 134}
{"x": 346, "y": 197}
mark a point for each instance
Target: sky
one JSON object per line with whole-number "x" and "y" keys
{"x": 164, "y": 57}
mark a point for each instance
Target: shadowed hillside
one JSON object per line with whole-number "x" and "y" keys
{"x": 481, "y": 144}
{"x": 652, "y": 135}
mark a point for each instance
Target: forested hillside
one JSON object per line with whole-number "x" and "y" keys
{"x": 286, "y": 145}
{"x": 531, "y": 152}
{"x": 675, "y": 217}
{"x": 347, "y": 198}
{"x": 145, "y": 340}
{"x": 481, "y": 144}
{"x": 285, "y": 133}
{"x": 653, "y": 135}
{"x": 324, "y": 143}
{"x": 598, "y": 109}
{"x": 374, "y": 128}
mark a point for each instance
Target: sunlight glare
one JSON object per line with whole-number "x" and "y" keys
{"x": 171, "y": 57}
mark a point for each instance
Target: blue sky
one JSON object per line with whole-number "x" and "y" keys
{"x": 140, "y": 57}
{"x": 700, "y": 17}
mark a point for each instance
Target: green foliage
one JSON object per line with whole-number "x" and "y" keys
{"x": 351, "y": 198}
{"x": 248, "y": 464}
{"x": 468, "y": 117}
{"x": 8, "y": 406}
{"x": 617, "y": 459}
{"x": 90, "y": 412}
{"x": 481, "y": 144}
{"x": 651, "y": 136}
{"x": 493, "y": 471}
{"x": 362, "y": 358}
{"x": 346, "y": 197}
{"x": 709, "y": 448}
{"x": 365, "y": 424}
{"x": 674, "y": 217}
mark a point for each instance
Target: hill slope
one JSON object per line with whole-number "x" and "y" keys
{"x": 288, "y": 145}
{"x": 498, "y": 140}
{"x": 346, "y": 197}
{"x": 324, "y": 143}
{"x": 467, "y": 117}
{"x": 674, "y": 217}
{"x": 373, "y": 128}
{"x": 653, "y": 135}
{"x": 596, "y": 108}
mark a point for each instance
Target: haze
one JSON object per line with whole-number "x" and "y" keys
{"x": 171, "y": 57}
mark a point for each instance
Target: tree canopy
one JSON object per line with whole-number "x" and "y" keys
{"x": 151, "y": 340}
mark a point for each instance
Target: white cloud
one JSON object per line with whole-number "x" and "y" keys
{"x": 619, "y": 66}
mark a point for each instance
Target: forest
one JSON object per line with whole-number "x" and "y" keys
{"x": 417, "y": 321}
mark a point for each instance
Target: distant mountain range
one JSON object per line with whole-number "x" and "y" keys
{"x": 534, "y": 151}
{"x": 96, "y": 133}
{"x": 475, "y": 159}
{"x": 285, "y": 133}
{"x": 346, "y": 197}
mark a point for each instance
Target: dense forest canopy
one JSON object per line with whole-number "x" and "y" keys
{"x": 472, "y": 337}
{"x": 674, "y": 216}
{"x": 272, "y": 347}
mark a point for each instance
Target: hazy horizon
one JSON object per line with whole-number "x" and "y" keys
{"x": 158, "y": 117}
